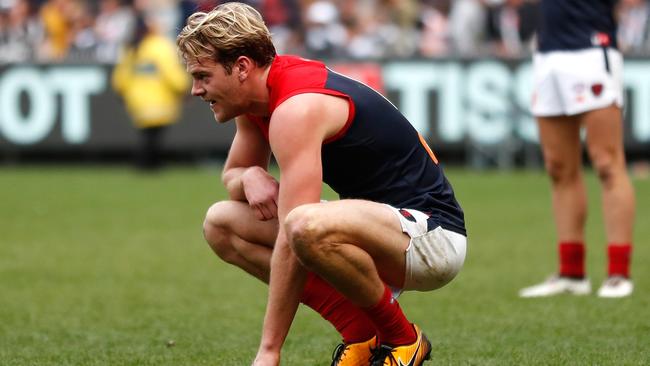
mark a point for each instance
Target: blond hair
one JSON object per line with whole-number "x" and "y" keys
{"x": 228, "y": 31}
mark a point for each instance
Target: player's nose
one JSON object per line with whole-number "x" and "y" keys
{"x": 197, "y": 89}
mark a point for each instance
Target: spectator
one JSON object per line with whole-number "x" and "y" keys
{"x": 166, "y": 13}
{"x": 20, "y": 32}
{"x": 381, "y": 29}
{"x": 634, "y": 27}
{"x": 364, "y": 29}
{"x": 114, "y": 26}
{"x": 467, "y": 27}
{"x": 512, "y": 27}
{"x": 435, "y": 28}
{"x": 54, "y": 16}
{"x": 83, "y": 41}
{"x": 404, "y": 18}
{"x": 325, "y": 36}
{"x": 283, "y": 18}
{"x": 358, "y": 29}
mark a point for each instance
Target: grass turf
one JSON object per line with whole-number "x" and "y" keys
{"x": 104, "y": 266}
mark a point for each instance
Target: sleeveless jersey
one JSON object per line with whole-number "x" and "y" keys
{"x": 576, "y": 24}
{"x": 377, "y": 155}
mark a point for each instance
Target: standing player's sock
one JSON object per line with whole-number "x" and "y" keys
{"x": 393, "y": 328}
{"x": 352, "y": 323}
{"x": 619, "y": 259}
{"x": 572, "y": 259}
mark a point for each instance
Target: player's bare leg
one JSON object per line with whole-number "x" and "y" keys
{"x": 359, "y": 247}
{"x": 605, "y": 146}
{"x": 239, "y": 238}
{"x": 562, "y": 150}
{"x": 561, "y": 147}
{"x": 356, "y": 245}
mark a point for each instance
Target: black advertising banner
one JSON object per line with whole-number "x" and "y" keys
{"x": 457, "y": 105}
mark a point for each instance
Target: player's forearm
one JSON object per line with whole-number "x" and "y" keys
{"x": 285, "y": 288}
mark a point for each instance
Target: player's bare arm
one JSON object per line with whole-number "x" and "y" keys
{"x": 298, "y": 128}
{"x": 245, "y": 173}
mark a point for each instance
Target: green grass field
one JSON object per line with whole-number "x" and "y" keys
{"x": 104, "y": 266}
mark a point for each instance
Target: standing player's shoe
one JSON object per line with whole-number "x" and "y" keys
{"x": 616, "y": 286}
{"x": 556, "y": 285}
{"x": 410, "y": 355}
{"x": 354, "y": 354}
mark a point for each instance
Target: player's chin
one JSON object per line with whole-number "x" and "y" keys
{"x": 223, "y": 116}
{"x": 219, "y": 117}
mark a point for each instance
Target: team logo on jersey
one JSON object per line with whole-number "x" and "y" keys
{"x": 597, "y": 89}
{"x": 600, "y": 39}
{"x": 579, "y": 90}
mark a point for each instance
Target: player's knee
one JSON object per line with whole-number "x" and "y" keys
{"x": 604, "y": 166}
{"x": 304, "y": 229}
{"x": 217, "y": 232}
{"x": 559, "y": 171}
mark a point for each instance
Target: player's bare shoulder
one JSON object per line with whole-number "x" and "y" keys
{"x": 314, "y": 112}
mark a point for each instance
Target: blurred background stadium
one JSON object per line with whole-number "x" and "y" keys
{"x": 102, "y": 265}
{"x": 460, "y": 70}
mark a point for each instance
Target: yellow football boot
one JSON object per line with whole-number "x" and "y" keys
{"x": 409, "y": 355}
{"x": 354, "y": 354}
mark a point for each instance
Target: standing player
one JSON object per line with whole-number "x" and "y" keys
{"x": 578, "y": 83}
{"x": 397, "y": 225}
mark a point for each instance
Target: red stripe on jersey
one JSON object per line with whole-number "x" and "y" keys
{"x": 290, "y": 76}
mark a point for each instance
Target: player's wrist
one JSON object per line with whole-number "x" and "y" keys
{"x": 269, "y": 348}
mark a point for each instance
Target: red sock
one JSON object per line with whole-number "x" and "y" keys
{"x": 352, "y": 323}
{"x": 392, "y": 326}
{"x": 619, "y": 259}
{"x": 572, "y": 259}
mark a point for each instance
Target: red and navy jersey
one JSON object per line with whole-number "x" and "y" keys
{"x": 377, "y": 155}
{"x": 576, "y": 24}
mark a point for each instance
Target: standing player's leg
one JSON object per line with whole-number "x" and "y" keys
{"x": 562, "y": 150}
{"x": 237, "y": 237}
{"x": 606, "y": 151}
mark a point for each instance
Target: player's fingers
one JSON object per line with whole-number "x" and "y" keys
{"x": 273, "y": 210}
{"x": 273, "y": 206}
{"x": 266, "y": 212}
{"x": 257, "y": 211}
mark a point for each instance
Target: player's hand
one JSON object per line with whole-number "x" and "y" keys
{"x": 266, "y": 359}
{"x": 261, "y": 191}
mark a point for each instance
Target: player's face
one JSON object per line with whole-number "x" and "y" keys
{"x": 211, "y": 82}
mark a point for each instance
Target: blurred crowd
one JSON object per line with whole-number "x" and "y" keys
{"x": 97, "y": 30}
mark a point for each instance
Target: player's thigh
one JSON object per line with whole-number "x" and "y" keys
{"x": 239, "y": 218}
{"x": 560, "y": 141}
{"x": 604, "y": 133}
{"x": 371, "y": 226}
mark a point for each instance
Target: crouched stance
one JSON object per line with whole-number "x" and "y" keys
{"x": 396, "y": 227}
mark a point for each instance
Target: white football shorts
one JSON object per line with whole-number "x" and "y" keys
{"x": 573, "y": 82}
{"x": 433, "y": 258}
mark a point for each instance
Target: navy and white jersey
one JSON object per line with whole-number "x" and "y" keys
{"x": 576, "y": 24}
{"x": 378, "y": 155}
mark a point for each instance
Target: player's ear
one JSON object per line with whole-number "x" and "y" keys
{"x": 243, "y": 66}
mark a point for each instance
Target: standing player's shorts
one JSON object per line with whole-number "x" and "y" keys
{"x": 573, "y": 82}
{"x": 433, "y": 257}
